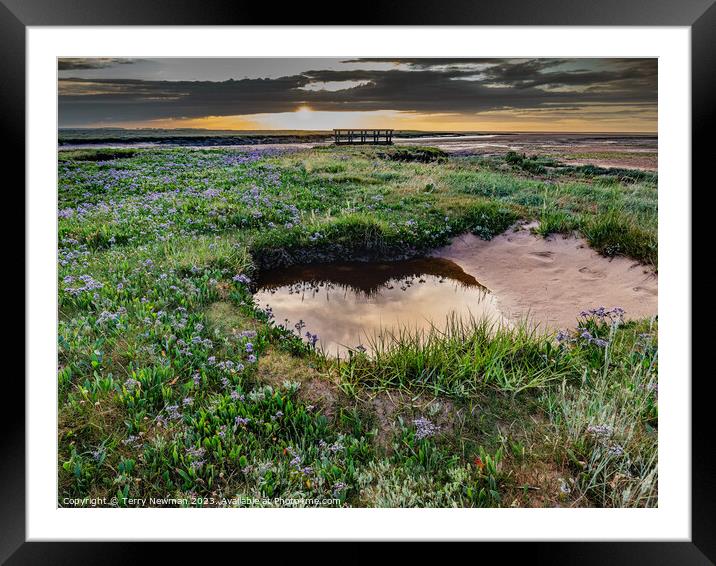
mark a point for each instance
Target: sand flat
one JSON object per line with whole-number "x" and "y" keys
{"x": 550, "y": 280}
{"x": 629, "y": 151}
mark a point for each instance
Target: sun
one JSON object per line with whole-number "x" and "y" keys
{"x": 303, "y": 111}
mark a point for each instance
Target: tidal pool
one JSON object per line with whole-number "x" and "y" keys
{"x": 353, "y": 304}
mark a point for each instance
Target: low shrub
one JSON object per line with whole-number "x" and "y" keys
{"x": 418, "y": 153}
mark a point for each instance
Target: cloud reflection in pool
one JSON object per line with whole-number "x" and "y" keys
{"x": 349, "y": 304}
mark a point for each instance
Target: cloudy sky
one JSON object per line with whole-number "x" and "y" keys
{"x": 594, "y": 95}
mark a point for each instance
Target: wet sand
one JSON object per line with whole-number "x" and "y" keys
{"x": 629, "y": 151}
{"x": 551, "y": 280}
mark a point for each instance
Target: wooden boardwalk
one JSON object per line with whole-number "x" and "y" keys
{"x": 375, "y": 137}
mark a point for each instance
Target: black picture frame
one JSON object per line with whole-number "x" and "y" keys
{"x": 699, "y": 15}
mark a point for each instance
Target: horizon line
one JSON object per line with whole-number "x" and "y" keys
{"x": 645, "y": 132}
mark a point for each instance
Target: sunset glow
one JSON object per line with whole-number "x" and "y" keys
{"x": 305, "y": 118}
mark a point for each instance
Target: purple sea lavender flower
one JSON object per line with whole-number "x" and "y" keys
{"x": 424, "y": 428}
{"x": 562, "y": 336}
{"x": 312, "y": 338}
{"x": 173, "y": 412}
{"x": 602, "y": 431}
{"x": 615, "y": 450}
{"x": 195, "y": 452}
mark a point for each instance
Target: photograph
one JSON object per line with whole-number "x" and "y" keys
{"x": 374, "y": 282}
{"x": 422, "y": 276}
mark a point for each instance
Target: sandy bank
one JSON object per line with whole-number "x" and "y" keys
{"x": 552, "y": 279}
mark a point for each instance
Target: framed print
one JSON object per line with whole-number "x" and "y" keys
{"x": 424, "y": 277}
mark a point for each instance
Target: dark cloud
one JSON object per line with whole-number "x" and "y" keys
{"x": 457, "y": 86}
{"x": 625, "y": 75}
{"x": 535, "y": 72}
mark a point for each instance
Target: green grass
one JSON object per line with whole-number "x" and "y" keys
{"x": 161, "y": 347}
{"x": 457, "y": 361}
{"x": 615, "y": 233}
{"x": 615, "y": 467}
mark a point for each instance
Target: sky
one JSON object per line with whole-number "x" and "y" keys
{"x": 459, "y": 94}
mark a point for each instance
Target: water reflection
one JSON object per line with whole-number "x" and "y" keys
{"x": 349, "y": 304}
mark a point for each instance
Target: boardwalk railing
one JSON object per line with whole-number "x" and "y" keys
{"x": 377, "y": 137}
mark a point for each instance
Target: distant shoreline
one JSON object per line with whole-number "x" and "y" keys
{"x": 70, "y": 138}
